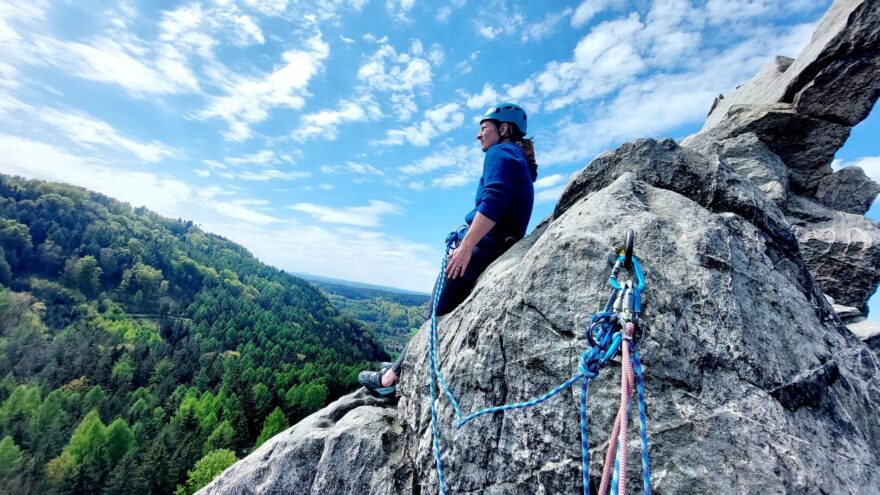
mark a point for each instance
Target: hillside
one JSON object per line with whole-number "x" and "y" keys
{"x": 132, "y": 345}
{"x": 393, "y": 317}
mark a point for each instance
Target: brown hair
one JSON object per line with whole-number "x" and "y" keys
{"x": 519, "y": 138}
{"x": 529, "y": 147}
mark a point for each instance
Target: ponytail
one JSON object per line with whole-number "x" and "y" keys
{"x": 529, "y": 147}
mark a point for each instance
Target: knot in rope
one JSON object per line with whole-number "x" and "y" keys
{"x": 589, "y": 364}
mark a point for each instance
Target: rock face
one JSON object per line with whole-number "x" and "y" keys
{"x": 802, "y": 111}
{"x": 753, "y": 383}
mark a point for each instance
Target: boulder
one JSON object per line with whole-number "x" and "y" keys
{"x": 848, "y": 190}
{"x": 834, "y": 78}
{"x": 351, "y": 446}
{"x": 750, "y": 157}
{"x": 841, "y": 249}
{"x": 805, "y": 144}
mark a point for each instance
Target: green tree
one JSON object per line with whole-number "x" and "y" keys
{"x": 274, "y": 424}
{"x": 205, "y": 470}
{"x": 120, "y": 440}
{"x": 10, "y": 458}
{"x": 262, "y": 398}
{"x": 5, "y": 269}
{"x": 315, "y": 397}
{"x": 83, "y": 274}
{"x": 123, "y": 370}
{"x": 222, "y": 437}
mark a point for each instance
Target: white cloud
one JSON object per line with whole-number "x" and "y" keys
{"x": 268, "y": 7}
{"x": 406, "y": 71}
{"x": 202, "y": 172}
{"x": 239, "y": 210}
{"x": 550, "y": 181}
{"x": 399, "y": 9}
{"x": 466, "y": 65}
{"x": 437, "y": 55}
{"x": 437, "y": 121}
{"x": 109, "y": 61}
{"x": 404, "y": 106}
{"x": 264, "y": 175}
{"x": 445, "y": 118}
{"x": 352, "y": 167}
{"x": 665, "y": 101}
{"x": 461, "y": 165}
{"x": 484, "y": 99}
{"x": 249, "y": 99}
{"x": 544, "y": 28}
{"x": 549, "y": 195}
{"x": 346, "y": 39}
{"x": 326, "y": 187}
{"x": 345, "y": 253}
{"x": 369, "y": 215}
{"x": 36, "y": 160}
{"x": 325, "y": 123}
{"x": 587, "y": 10}
{"x": 443, "y": 13}
{"x": 262, "y": 157}
{"x": 87, "y": 130}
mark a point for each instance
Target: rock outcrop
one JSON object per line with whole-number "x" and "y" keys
{"x": 801, "y": 112}
{"x": 753, "y": 382}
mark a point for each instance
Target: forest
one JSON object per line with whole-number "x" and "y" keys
{"x": 393, "y": 317}
{"x": 140, "y": 354}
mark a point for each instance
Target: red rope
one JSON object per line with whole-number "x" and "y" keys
{"x": 618, "y": 433}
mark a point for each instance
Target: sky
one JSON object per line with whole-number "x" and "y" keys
{"x": 337, "y": 138}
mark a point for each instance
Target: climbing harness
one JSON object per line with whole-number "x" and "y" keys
{"x": 614, "y": 329}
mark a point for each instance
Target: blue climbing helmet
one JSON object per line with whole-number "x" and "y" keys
{"x": 510, "y": 113}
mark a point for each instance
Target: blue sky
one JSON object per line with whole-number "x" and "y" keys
{"x": 337, "y": 137}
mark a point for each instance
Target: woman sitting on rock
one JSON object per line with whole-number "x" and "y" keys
{"x": 505, "y": 195}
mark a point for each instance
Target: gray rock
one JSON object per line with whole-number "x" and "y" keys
{"x": 751, "y": 158}
{"x": 849, "y": 190}
{"x": 868, "y": 331}
{"x": 351, "y": 446}
{"x": 665, "y": 164}
{"x": 847, "y": 314}
{"x": 805, "y": 144}
{"x": 767, "y": 87}
{"x": 836, "y": 76}
{"x": 841, "y": 249}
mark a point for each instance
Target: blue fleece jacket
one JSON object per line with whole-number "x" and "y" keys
{"x": 505, "y": 193}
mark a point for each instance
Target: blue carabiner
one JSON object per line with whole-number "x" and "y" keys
{"x": 637, "y": 268}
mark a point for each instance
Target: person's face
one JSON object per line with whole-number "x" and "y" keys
{"x": 489, "y": 135}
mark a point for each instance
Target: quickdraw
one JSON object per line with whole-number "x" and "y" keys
{"x": 615, "y": 329}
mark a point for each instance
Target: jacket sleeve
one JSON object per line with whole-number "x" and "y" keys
{"x": 497, "y": 186}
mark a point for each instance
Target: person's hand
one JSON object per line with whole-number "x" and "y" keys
{"x": 457, "y": 261}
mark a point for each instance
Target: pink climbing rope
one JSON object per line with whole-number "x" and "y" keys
{"x": 618, "y": 433}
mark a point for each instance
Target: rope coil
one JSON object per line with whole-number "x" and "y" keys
{"x": 613, "y": 330}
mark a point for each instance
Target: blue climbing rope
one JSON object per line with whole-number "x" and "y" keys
{"x": 604, "y": 336}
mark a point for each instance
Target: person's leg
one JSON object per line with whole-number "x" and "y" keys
{"x": 456, "y": 290}
{"x": 391, "y": 376}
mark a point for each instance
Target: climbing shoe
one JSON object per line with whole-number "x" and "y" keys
{"x": 372, "y": 380}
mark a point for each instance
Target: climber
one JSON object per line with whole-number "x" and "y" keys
{"x": 504, "y": 199}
